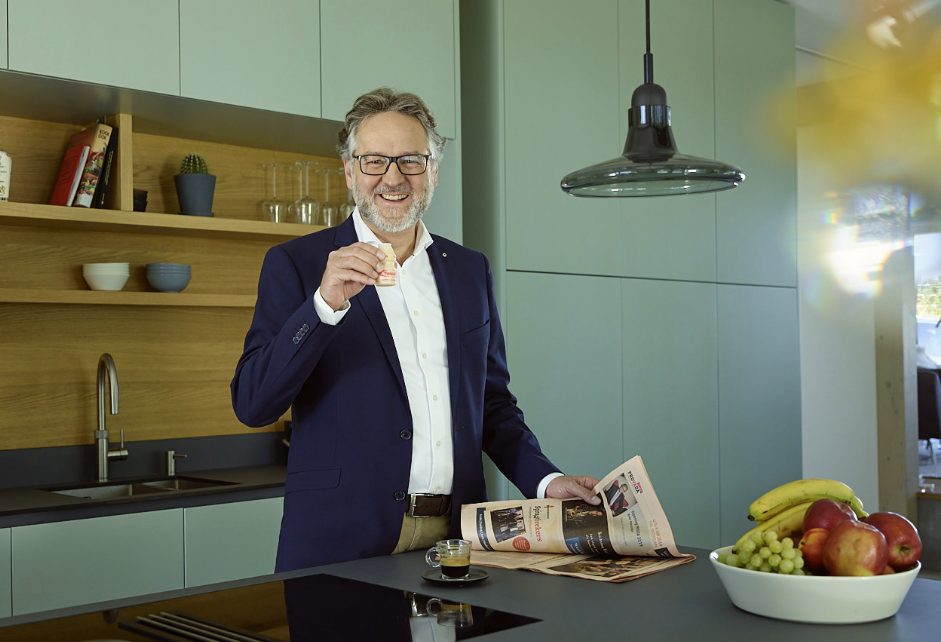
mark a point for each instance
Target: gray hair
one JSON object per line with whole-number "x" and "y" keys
{"x": 384, "y": 100}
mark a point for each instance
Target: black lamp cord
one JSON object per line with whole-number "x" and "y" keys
{"x": 648, "y": 57}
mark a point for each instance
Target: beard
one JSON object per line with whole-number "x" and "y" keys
{"x": 395, "y": 218}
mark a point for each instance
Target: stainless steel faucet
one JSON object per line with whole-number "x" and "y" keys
{"x": 107, "y": 370}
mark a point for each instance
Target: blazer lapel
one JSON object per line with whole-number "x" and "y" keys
{"x": 368, "y": 300}
{"x": 439, "y": 264}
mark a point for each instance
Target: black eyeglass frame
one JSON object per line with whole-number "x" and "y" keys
{"x": 393, "y": 159}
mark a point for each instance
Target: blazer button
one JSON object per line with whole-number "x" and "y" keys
{"x": 296, "y": 340}
{"x": 406, "y": 434}
{"x": 400, "y": 495}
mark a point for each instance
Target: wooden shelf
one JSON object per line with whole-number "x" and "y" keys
{"x": 92, "y": 297}
{"x": 167, "y": 224}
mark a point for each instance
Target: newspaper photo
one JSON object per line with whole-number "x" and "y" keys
{"x": 625, "y": 537}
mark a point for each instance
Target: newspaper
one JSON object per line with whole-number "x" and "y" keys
{"x": 625, "y": 537}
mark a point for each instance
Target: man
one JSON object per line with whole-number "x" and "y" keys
{"x": 395, "y": 391}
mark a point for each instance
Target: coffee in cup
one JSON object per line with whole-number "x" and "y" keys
{"x": 452, "y": 556}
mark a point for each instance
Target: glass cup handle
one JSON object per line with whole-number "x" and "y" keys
{"x": 432, "y": 557}
{"x": 433, "y": 606}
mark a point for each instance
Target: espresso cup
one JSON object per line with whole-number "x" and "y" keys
{"x": 450, "y": 613}
{"x": 452, "y": 556}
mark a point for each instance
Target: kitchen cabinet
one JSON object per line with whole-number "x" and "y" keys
{"x": 266, "y": 57}
{"x": 121, "y": 44}
{"x": 6, "y": 575}
{"x": 550, "y": 132}
{"x": 231, "y": 541}
{"x": 759, "y": 396}
{"x": 3, "y": 34}
{"x": 641, "y": 326}
{"x": 358, "y": 51}
{"x": 756, "y": 226}
{"x": 82, "y": 561}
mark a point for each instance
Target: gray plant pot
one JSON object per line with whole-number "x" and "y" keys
{"x": 195, "y": 192}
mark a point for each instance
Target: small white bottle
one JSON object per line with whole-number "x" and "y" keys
{"x": 387, "y": 275}
{"x": 6, "y": 163}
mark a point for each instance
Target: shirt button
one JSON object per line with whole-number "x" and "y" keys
{"x": 435, "y": 397}
{"x": 399, "y": 495}
{"x": 415, "y": 312}
{"x": 406, "y": 434}
{"x": 438, "y": 443}
{"x": 424, "y": 355}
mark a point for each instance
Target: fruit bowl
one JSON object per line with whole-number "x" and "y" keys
{"x": 818, "y": 599}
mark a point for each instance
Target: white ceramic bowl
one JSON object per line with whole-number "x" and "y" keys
{"x": 112, "y": 282}
{"x": 814, "y": 598}
{"x": 106, "y": 268}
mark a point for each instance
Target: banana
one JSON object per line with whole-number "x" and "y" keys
{"x": 787, "y": 523}
{"x": 796, "y": 492}
{"x": 857, "y": 505}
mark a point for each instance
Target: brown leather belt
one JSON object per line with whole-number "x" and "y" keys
{"x": 425, "y": 505}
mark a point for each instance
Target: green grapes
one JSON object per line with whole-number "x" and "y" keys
{"x": 766, "y": 553}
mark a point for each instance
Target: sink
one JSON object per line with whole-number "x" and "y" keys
{"x": 137, "y": 488}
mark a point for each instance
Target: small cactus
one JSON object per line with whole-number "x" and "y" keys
{"x": 194, "y": 164}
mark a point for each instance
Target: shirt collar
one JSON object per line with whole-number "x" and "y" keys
{"x": 366, "y": 235}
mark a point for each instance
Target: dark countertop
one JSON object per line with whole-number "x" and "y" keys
{"x": 24, "y": 506}
{"x": 682, "y": 603}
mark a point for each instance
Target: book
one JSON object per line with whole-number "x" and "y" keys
{"x": 70, "y": 173}
{"x": 96, "y": 137}
{"x": 105, "y": 179}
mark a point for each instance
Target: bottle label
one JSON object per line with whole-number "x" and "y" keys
{"x": 6, "y": 164}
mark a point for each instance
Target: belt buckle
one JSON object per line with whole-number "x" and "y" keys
{"x": 412, "y": 501}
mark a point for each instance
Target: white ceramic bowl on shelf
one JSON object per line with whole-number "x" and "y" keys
{"x": 106, "y": 276}
{"x": 818, "y": 599}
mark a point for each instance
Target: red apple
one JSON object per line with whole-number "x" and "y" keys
{"x": 811, "y": 548}
{"x": 855, "y": 548}
{"x": 901, "y": 537}
{"x": 888, "y": 570}
{"x": 827, "y": 513}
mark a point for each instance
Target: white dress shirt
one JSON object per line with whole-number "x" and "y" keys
{"x": 413, "y": 310}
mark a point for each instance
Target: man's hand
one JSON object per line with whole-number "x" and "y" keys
{"x": 572, "y": 486}
{"x": 348, "y": 271}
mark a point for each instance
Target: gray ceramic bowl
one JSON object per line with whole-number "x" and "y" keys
{"x": 163, "y": 281}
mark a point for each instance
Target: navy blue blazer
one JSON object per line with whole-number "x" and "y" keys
{"x": 350, "y": 455}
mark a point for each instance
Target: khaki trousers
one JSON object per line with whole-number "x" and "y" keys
{"x": 421, "y": 533}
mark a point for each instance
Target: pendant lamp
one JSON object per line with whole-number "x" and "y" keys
{"x": 651, "y": 164}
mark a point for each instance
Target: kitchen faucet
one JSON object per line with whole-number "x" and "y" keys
{"x": 107, "y": 370}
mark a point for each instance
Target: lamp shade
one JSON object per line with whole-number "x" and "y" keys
{"x": 651, "y": 164}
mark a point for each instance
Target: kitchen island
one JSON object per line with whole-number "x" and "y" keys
{"x": 683, "y": 603}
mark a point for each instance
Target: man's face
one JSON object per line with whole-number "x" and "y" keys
{"x": 392, "y": 202}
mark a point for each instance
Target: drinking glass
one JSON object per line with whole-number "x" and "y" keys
{"x": 272, "y": 208}
{"x": 328, "y": 210}
{"x": 305, "y": 209}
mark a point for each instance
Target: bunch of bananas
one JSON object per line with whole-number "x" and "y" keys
{"x": 782, "y": 509}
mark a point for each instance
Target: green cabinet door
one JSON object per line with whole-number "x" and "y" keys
{"x": 563, "y": 336}
{"x": 3, "y": 34}
{"x": 410, "y": 45}
{"x": 756, "y": 130}
{"x": 231, "y": 541}
{"x": 264, "y": 55}
{"x": 113, "y": 42}
{"x": 671, "y": 399}
{"x": 759, "y": 397}
{"x": 670, "y": 237}
{"x": 561, "y": 77}
{"x": 82, "y": 561}
{"x": 6, "y": 575}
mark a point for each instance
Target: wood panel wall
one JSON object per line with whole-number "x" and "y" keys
{"x": 174, "y": 363}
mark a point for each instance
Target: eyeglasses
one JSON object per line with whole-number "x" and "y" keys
{"x": 410, "y": 165}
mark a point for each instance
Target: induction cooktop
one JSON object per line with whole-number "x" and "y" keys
{"x": 327, "y": 607}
